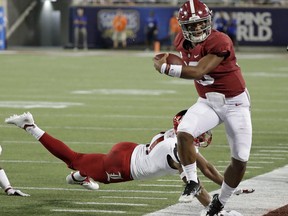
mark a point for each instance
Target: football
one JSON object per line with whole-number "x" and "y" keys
{"x": 171, "y": 59}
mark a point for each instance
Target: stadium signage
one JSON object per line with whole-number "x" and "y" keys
{"x": 2, "y": 29}
{"x": 254, "y": 26}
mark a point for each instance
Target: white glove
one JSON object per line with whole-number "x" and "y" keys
{"x": 12, "y": 192}
{"x": 0, "y": 149}
{"x": 239, "y": 191}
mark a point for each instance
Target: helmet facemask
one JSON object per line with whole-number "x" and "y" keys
{"x": 196, "y": 30}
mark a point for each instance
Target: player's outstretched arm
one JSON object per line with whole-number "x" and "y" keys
{"x": 5, "y": 184}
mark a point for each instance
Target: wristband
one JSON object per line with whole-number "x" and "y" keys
{"x": 175, "y": 70}
{"x": 171, "y": 70}
{"x": 164, "y": 68}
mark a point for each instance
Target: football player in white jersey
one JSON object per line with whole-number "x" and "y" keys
{"x": 5, "y": 183}
{"x": 126, "y": 161}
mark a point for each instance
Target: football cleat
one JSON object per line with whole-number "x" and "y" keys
{"x": 22, "y": 121}
{"x": 87, "y": 183}
{"x": 214, "y": 207}
{"x": 191, "y": 190}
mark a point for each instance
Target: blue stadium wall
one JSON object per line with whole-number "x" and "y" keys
{"x": 256, "y": 26}
{"x": 2, "y": 30}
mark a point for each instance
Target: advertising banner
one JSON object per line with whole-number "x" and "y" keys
{"x": 2, "y": 30}
{"x": 255, "y": 26}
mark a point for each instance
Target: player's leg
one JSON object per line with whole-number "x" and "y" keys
{"x": 124, "y": 39}
{"x": 85, "y": 39}
{"x": 76, "y": 37}
{"x": 115, "y": 39}
{"x": 198, "y": 119}
{"x": 239, "y": 134}
{"x": 117, "y": 162}
{"x": 54, "y": 146}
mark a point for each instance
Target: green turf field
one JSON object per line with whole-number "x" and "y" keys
{"x": 92, "y": 100}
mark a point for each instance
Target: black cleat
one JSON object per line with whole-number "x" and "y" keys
{"x": 192, "y": 189}
{"x": 215, "y": 206}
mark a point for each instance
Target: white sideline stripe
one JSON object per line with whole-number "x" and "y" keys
{"x": 25, "y": 161}
{"x": 139, "y": 129}
{"x": 266, "y": 154}
{"x": 248, "y": 167}
{"x": 107, "y": 191}
{"x": 274, "y": 151}
{"x": 159, "y": 185}
{"x": 271, "y": 158}
{"x": 117, "y": 204}
{"x": 270, "y": 193}
{"x": 70, "y": 142}
{"x": 142, "y": 198}
{"x": 87, "y": 210}
{"x": 169, "y": 180}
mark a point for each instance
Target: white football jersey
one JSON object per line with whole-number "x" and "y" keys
{"x": 150, "y": 160}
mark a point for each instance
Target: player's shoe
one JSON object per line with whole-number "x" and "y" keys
{"x": 87, "y": 183}
{"x": 214, "y": 207}
{"x": 191, "y": 190}
{"x": 22, "y": 121}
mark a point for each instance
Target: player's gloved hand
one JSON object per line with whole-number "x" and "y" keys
{"x": 239, "y": 191}
{"x": 12, "y": 192}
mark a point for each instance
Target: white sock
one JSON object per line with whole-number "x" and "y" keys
{"x": 191, "y": 172}
{"x": 78, "y": 177}
{"x": 226, "y": 192}
{"x": 35, "y": 131}
{"x": 4, "y": 181}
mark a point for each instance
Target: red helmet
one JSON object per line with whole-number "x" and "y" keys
{"x": 194, "y": 18}
{"x": 201, "y": 141}
{"x": 177, "y": 119}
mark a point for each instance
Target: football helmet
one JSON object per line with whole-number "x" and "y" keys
{"x": 177, "y": 119}
{"x": 201, "y": 141}
{"x": 194, "y": 18}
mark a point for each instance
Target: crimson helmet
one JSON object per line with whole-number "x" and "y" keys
{"x": 177, "y": 119}
{"x": 194, "y": 18}
{"x": 204, "y": 139}
{"x": 201, "y": 141}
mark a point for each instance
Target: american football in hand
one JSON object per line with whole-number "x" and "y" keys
{"x": 171, "y": 59}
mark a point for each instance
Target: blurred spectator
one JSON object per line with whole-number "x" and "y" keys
{"x": 232, "y": 29}
{"x": 80, "y": 28}
{"x": 174, "y": 28}
{"x": 151, "y": 30}
{"x": 220, "y": 23}
{"x": 119, "y": 29}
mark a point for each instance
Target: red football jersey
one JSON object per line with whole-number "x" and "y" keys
{"x": 226, "y": 78}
